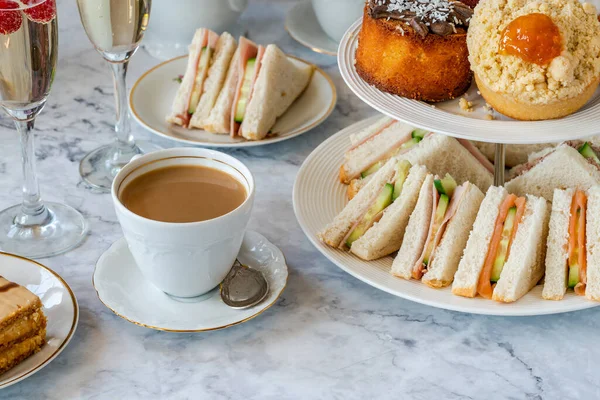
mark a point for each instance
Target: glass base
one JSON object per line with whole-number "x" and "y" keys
{"x": 63, "y": 230}
{"x": 100, "y": 166}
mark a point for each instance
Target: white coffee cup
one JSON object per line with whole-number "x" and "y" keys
{"x": 336, "y": 16}
{"x": 184, "y": 259}
{"x": 173, "y": 23}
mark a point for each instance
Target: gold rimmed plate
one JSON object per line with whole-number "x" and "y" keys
{"x": 60, "y": 308}
{"x": 152, "y": 95}
{"x": 122, "y": 288}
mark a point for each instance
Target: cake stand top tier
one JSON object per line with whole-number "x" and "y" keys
{"x": 448, "y": 118}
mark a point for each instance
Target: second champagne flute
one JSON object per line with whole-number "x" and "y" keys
{"x": 116, "y": 28}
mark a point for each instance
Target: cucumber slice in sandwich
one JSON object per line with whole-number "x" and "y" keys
{"x": 240, "y": 108}
{"x": 440, "y": 213}
{"x": 205, "y": 54}
{"x": 446, "y": 185}
{"x": 371, "y": 170}
{"x": 501, "y": 255}
{"x": 587, "y": 151}
{"x": 573, "y": 278}
{"x": 402, "y": 169}
{"x": 410, "y": 143}
{"x": 383, "y": 200}
{"x": 419, "y": 133}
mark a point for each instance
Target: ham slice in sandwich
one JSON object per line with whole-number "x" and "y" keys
{"x": 191, "y": 87}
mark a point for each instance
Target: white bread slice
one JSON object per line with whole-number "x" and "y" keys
{"x": 374, "y": 150}
{"x": 592, "y": 231}
{"x": 219, "y": 119}
{"x": 336, "y": 231}
{"x": 416, "y": 232}
{"x": 555, "y": 282}
{"x": 443, "y": 154}
{"x": 385, "y": 236}
{"x": 187, "y": 83}
{"x": 215, "y": 79}
{"x": 560, "y": 169}
{"x": 515, "y": 154}
{"x": 280, "y": 82}
{"x": 446, "y": 256}
{"x": 525, "y": 264}
{"x": 471, "y": 263}
{"x": 370, "y": 130}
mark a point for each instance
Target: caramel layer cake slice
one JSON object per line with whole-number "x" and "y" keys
{"x": 22, "y": 324}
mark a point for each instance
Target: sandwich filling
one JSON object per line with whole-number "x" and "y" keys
{"x": 446, "y": 200}
{"x": 505, "y": 229}
{"x": 200, "y": 71}
{"x": 405, "y": 144}
{"x": 390, "y": 192}
{"x": 250, "y": 62}
{"x": 577, "y": 263}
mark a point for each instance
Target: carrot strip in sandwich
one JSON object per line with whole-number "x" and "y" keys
{"x": 484, "y": 286}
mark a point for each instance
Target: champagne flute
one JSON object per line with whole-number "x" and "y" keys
{"x": 115, "y": 28}
{"x": 28, "y": 53}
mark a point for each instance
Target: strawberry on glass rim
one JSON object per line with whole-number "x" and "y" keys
{"x": 40, "y": 11}
{"x": 10, "y": 21}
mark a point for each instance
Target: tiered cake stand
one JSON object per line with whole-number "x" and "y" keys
{"x": 319, "y": 197}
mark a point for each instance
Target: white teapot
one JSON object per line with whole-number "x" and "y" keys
{"x": 173, "y": 23}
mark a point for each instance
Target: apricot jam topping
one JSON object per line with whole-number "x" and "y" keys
{"x": 532, "y": 37}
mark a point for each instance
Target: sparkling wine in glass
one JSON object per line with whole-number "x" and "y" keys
{"x": 28, "y": 52}
{"x": 115, "y": 28}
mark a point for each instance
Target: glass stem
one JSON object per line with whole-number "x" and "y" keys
{"x": 125, "y": 141}
{"x": 33, "y": 211}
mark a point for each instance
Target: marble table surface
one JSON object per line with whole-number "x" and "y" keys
{"x": 329, "y": 336}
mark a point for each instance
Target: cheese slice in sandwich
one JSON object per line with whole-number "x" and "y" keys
{"x": 572, "y": 164}
{"x": 572, "y": 259}
{"x": 192, "y": 84}
{"x": 278, "y": 82}
{"x": 390, "y": 189}
{"x": 215, "y": 79}
{"x": 504, "y": 256}
{"x": 443, "y": 155}
{"x": 438, "y": 228}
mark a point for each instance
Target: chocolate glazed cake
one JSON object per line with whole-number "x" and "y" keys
{"x": 416, "y": 48}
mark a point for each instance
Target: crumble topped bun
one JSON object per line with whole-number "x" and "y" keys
{"x": 525, "y": 86}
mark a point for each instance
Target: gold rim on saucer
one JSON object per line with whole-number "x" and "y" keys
{"x": 67, "y": 338}
{"x": 158, "y": 328}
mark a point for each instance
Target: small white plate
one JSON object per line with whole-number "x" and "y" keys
{"x": 152, "y": 95}
{"x": 60, "y": 308}
{"x": 448, "y": 118}
{"x": 302, "y": 25}
{"x": 319, "y": 197}
{"x": 123, "y": 289}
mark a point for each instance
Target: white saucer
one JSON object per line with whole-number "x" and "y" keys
{"x": 319, "y": 197}
{"x": 122, "y": 288}
{"x": 302, "y": 25}
{"x": 152, "y": 95}
{"x": 448, "y": 118}
{"x": 60, "y": 308}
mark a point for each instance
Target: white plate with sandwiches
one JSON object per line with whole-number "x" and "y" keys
{"x": 473, "y": 121}
{"x": 39, "y": 315}
{"x": 408, "y": 226}
{"x": 225, "y": 94}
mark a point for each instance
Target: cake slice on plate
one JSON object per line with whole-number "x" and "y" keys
{"x": 22, "y": 324}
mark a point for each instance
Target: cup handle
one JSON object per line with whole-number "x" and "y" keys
{"x": 238, "y": 5}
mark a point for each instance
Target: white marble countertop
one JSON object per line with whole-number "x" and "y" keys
{"x": 329, "y": 336}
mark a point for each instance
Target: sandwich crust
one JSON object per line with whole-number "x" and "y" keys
{"x": 394, "y": 58}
